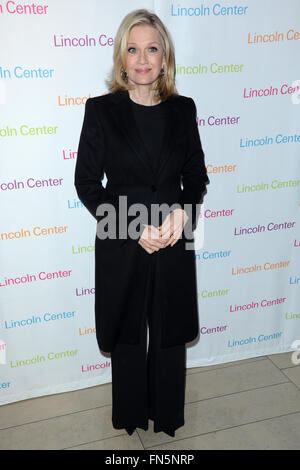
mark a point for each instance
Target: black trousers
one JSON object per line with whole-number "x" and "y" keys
{"x": 148, "y": 384}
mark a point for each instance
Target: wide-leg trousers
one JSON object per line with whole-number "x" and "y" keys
{"x": 147, "y": 381}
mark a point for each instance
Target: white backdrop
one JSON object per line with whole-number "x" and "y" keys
{"x": 248, "y": 268}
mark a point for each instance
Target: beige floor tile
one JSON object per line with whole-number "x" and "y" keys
{"x": 123, "y": 442}
{"x": 293, "y": 374}
{"x": 35, "y": 409}
{"x": 232, "y": 410}
{"x": 61, "y": 432}
{"x": 233, "y": 379}
{"x": 224, "y": 401}
{"x": 282, "y": 360}
{"x": 281, "y": 433}
{"x": 196, "y": 370}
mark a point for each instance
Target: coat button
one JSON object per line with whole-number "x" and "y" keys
{"x": 153, "y": 188}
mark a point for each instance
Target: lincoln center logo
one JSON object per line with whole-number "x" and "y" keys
{"x": 216, "y": 10}
{"x": 15, "y": 8}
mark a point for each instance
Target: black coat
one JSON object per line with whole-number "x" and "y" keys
{"x": 110, "y": 143}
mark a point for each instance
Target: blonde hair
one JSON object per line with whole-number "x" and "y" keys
{"x": 166, "y": 82}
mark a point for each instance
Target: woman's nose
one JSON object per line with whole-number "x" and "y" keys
{"x": 143, "y": 57}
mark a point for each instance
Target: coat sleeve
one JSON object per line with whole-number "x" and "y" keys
{"x": 194, "y": 174}
{"x": 89, "y": 169}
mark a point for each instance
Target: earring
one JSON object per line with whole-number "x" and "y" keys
{"x": 124, "y": 75}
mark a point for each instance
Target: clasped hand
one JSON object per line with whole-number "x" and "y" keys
{"x": 153, "y": 239}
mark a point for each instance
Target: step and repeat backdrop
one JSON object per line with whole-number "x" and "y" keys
{"x": 239, "y": 61}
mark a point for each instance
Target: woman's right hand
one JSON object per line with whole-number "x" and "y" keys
{"x": 151, "y": 240}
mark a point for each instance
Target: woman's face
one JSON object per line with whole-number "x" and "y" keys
{"x": 145, "y": 56}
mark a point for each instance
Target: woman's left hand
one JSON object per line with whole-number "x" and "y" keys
{"x": 172, "y": 227}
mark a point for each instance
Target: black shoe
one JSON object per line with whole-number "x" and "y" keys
{"x": 169, "y": 432}
{"x": 130, "y": 430}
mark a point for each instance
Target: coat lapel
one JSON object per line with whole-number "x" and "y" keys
{"x": 124, "y": 119}
{"x": 171, "y": 133}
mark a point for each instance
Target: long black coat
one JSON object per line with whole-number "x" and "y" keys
{"x": 110, "y": 143}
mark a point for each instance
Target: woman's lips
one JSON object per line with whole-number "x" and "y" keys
{"x": 142, "y": 71}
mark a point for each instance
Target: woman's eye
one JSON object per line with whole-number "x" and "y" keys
{"x": 132, "y": 50}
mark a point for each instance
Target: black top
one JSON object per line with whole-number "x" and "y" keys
{"x": 150, "y": 121}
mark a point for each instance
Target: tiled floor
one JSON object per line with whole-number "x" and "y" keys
{"x": 250, "y": 404}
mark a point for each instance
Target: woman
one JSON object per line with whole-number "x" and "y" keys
{"x": 144, "y": 136}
